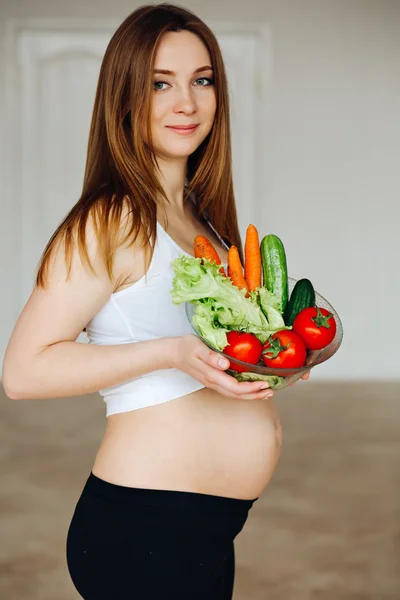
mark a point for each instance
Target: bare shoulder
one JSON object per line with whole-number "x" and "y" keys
{"x": 71, "y": 298}
{"x": 60, "y": 310}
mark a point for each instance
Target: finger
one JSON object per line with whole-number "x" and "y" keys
{"x": 247, "y": 390}
{"x": 306, "y": 375}
{"x": 242, "y": 387}
{"x": 214, "y": 364}
{"x": 224, "y": 383}
{"x": 260, "y": 395}
{"x": 214, "y": 359}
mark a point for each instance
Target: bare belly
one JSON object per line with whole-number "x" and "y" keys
{"x": 203, "y": 442}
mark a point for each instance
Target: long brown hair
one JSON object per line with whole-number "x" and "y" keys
{"x": 121, "y": 168}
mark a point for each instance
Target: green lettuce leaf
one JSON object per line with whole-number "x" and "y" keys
{"x": 206, "y": 320}
{"x": 271, "y": 307}
{"x": 220, "y": 305}
{"x": 195, "y": 281}
{"x": 275, "y": 381}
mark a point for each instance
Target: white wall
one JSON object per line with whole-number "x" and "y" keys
{"x": 331, "y": 158}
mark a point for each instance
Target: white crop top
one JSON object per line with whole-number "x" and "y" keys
{"x": 144, "y": 311}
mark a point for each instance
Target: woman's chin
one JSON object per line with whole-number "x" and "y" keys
{"x": 183, "y": 152}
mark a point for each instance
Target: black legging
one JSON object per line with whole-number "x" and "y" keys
{"x": 140, "y": 544}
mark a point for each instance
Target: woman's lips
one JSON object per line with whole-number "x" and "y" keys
{"x": 183, "y": 130}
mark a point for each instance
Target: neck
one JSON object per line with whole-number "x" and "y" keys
{"x": 172, "y": 178}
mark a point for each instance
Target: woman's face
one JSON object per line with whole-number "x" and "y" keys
{"x": 185, "y": 97}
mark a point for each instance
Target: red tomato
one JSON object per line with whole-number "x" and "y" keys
{"x": 316, "y": 326}
{"x": 243, "y": 346}
{"x": 284, "y": 350}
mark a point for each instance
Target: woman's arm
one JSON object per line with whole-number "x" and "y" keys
{"x": 73, "y": 368}
{"x": 43, "y": 360}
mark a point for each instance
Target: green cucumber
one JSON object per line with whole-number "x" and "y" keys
{"x": 302, "y": 296}
{"x": 274, "y": 265}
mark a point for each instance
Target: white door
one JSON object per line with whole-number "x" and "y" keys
{"x": 51, "y": 76}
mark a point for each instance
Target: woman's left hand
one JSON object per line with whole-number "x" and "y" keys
{"x": 305, "y": 376}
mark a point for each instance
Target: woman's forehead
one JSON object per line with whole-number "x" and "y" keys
{"x": 182, "y": 48}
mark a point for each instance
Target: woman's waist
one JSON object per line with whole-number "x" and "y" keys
{"x": 148, "y": 390}
{"x": 202, "y": 442}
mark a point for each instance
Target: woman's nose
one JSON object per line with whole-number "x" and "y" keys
{"x": 185, "y": 102}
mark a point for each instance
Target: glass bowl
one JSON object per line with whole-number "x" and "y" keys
{"x": 278, "y": 379}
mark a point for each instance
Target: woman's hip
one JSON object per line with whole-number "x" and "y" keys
{"x": 140, "y": 543}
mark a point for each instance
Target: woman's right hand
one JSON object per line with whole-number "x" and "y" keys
{"x": 192, "y": 356}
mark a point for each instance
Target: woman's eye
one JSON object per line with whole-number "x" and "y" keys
{"x": 159, "y": 83}
{"x": 206, "y": 82}
{"x": 207, "y": 79}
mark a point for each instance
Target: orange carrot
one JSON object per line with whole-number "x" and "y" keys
{"x": 235, "y": 269}
{"x": 252, "y": 258}
{"x": 203, "y": 248}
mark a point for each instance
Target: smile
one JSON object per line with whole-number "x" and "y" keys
{"x": 183, "y": 130}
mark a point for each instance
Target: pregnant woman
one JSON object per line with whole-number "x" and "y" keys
{"x": 187, "y": 449}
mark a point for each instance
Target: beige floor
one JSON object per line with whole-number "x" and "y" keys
{"x": 327, "y": 527}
